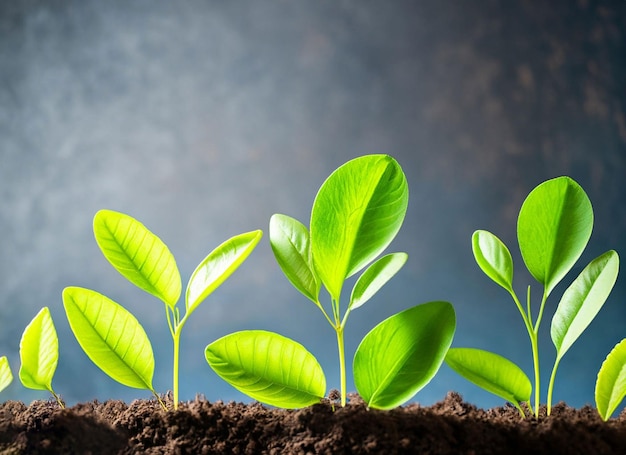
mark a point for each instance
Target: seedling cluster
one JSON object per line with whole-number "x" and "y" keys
{"x": 356, "y": 214}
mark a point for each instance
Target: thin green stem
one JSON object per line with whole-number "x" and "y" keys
{"x": 156, "y": 395}
{"x": 342, "y": 363}
{"x": 551, "y": 384}
{"x": 58, "y": 398}
{"x": 319, "y": 305}
{"x": 176, "y": 339}
{"x": 535, "y": 348}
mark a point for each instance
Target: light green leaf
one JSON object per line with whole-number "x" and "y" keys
{"x": 611, "y": 382}
{"x": 268, "y": 367}
{"x": 375, "y": 277}
{"x": 356, "y": 214}
{"x": 402, "y": 354}
{"x": 494, "y": 258}
{"x": 139, "y": 255}
{"x": 291, "y": 245}
{"x": 553, "y": 228}
{"x": 110, "y": 336}
{"x": 492, "y": 372}
{"x": 218, "y": 266}
{"x": 39, "y": 352}
{"x": 582, "y": 301}
{"x": 5, "y": 373}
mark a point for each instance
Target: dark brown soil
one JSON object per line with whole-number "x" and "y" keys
{"x": 199, "y": 427}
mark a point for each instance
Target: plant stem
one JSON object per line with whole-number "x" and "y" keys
{"x": 176, "y": 339}
{"x": 551, "y": 385}
{"x": 56, "y": 397}
{"x": 342, "y": 363}
{"x": 535, "y": 348}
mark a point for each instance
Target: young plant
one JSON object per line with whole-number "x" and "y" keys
{"x": 111, "y": 337}
{"x": 6, "y": 377}
{"x": 143, "y": 259}
{"x": 356, "y": 214}
{"x": 611, "y": 382}
{"x": 553, "y": 229}
{"x": 39, "y": 354}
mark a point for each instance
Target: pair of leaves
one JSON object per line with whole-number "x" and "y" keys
{"x": 393, "y": 362}
{"x": 611, "y": 382}
{"x": 399, "y": 356}
{"x": 144, "y": 260}
{"x": 357, "y": 212}
{"x": 39, "y": 352}
{"x": 553, "y": 228}
{"x": 291, "y": 244}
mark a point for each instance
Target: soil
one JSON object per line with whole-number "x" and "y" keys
{"x": 451, "y": 426}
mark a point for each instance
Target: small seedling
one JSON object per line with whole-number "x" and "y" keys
{"x": 611, "y": 382}
{"x": 144, "y": 260}
{"x": 6, "y": 377}
{"x": 39, "y": 354}
{"x": 553, "y": 229}
{"x": 356, "y": 214}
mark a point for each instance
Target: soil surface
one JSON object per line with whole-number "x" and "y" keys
{"x": 200, "y": 427}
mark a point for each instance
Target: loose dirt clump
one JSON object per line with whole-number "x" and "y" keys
{"x": 200, "y": 427}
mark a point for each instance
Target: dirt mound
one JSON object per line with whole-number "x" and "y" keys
{"x": 199, "y": 427}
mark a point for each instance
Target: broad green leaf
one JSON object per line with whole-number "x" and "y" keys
{"x": 110, "y": 336}
{"x": 553, "y": 228}
{"x": 492, "y": 372}
{"x": 139, "y": 255}
{"x": 39, "y": 352}
{"x": 269, "y": 368}
{"x": 356, "y": 214}
{"x": 5, "y": 373}
{"x": 611, "y": 382}
{"x": 291, "y": 245}
{"x": 218, "y": 266}
{"x": 375, "y": 277}
{"x": 494, "y": 258}
{"x": 582, "y": 300}
{"x": 401, "y": 355}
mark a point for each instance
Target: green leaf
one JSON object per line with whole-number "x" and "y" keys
{"x": 5, "y": 373}
{"x": 375, "y": 277}
{"x": 611, "y": 382}
{"x": 494, "y": 258}
{"x": 403, "y": 353}
{"x": 110, "y": 336}
{"x": 139, "y": 255}
{"x": 583, "y": 300}
{"x": 356, "y": 214}
{"x": 218, "y": 266}
{"x": 553, "y": 228}
{"x": 291, "y": 245}
{"x": 39, "y": 352}
{"x": 492, "y": 372}
{"x": 268, "y": 367}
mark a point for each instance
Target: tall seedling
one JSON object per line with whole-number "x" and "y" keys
{"x": 553, "y": 229}
{"x": 143, "y": 259}
{"x": 356, "y": 214}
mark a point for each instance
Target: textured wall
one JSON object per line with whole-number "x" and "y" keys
{"x": 202, "y": 119}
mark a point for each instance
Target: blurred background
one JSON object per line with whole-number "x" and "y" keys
{"x": 202, "y": 119}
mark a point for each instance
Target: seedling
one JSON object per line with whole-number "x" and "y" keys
{"x": 553, "y": 229}
{"x": 356, "y": 214}
{"x": 611, "y": 383}
{"x": 144, "y": 260}
{"x": 39, "y": 354}
{"x": 6, "y": 377}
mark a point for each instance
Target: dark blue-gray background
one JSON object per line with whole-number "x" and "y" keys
{"x": 202, "y": 119}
